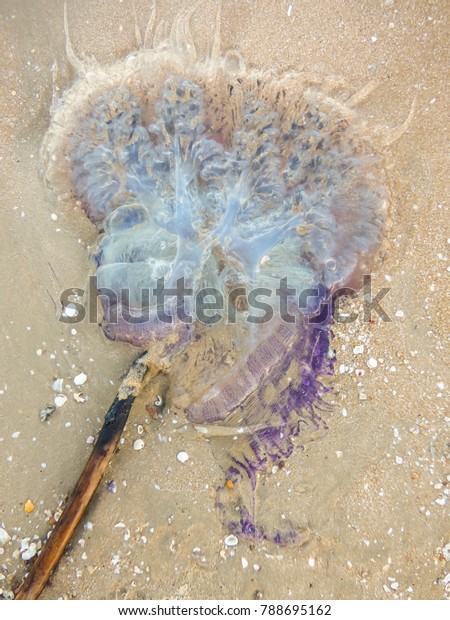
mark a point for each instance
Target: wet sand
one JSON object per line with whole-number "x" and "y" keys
{"x": 371, "y": 494}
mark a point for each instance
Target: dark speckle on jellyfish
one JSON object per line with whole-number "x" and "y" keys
{"x": 232, "y": 181}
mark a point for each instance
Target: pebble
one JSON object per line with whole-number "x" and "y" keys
{"x": 372, "y": 362}
{"x": 358, "y": 349}
{"x": 311, "y": 562}
{"x": 231, "y": 540}
{"x": 183, "y": 457}
{"x": 80, "y": 379}
{"x": 60, "y": 400}
{"x": 138, "y": 444}
{"x": 399, "y": 314}
{"x": 244, "y": 563}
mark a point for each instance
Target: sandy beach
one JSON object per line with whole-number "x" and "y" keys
{"x": 372, "y": 493}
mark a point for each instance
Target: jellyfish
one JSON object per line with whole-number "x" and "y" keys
{"x": 231, "y": 204}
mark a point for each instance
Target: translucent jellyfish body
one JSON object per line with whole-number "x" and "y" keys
{"x": 232, "y": 187}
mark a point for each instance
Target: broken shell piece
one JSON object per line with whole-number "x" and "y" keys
{"x": 60, "y": 400}
{"x": 79, "y": 397}
{"x": 30, "y": 552}
{"x": 182, "y": 457}
{"x": 29, "y": 506}
{"x": 4, "y": 537}
{"x": 231, "y": 540}
{"x": 57, "y": 385}
{"x": 47, "y": 412}
{"x": 80, "y": 379}
{"x": 112, "y": 486}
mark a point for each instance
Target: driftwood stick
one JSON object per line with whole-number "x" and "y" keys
{"x": 86, "y": 486}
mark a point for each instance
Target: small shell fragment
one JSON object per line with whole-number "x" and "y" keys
{"x": 70, "y": 311}
{"x": 4, "y": 537}
{"x": 30, "y": 552}
{"x": 112, "y": 486}
{"x": 182, "y": 457}
{"x": 138, "y": 444}
{"x": 46, "y": 412}
{"x": 231, "y": 540}
{"x": 80, "y": 379}
{"x": 60, "y": 400}
{"x": 29, "y": 506}
{"x": 57, "y": 385}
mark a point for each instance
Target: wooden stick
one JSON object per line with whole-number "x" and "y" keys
{"x": 86, "y": 486}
